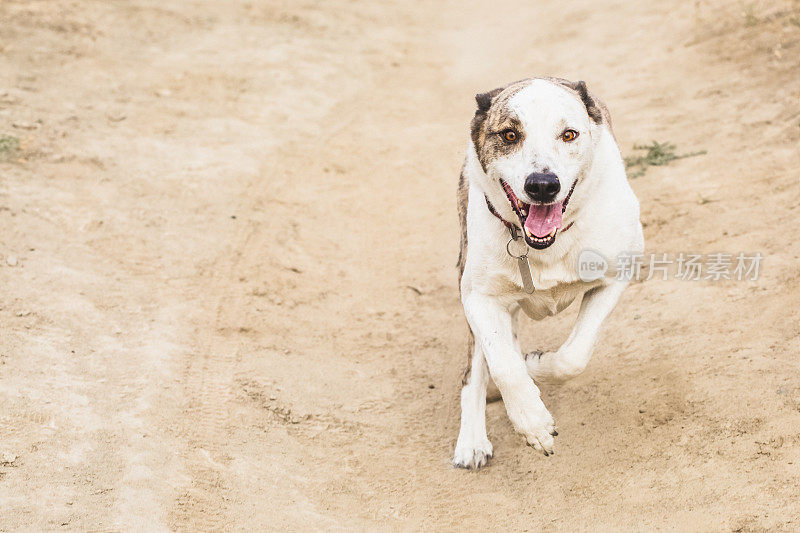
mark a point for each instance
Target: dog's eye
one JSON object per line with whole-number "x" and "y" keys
{"x": 569, "y": 136}
{"x": 509, "y": 136}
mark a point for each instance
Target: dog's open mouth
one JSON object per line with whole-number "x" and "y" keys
{"x": 540, "y": 222}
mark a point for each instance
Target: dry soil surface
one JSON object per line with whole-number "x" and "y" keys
{"x": 228, "y": 240}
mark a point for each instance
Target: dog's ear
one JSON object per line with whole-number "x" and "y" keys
{"x": 484, "y": 100}
{"x": 591, "y": 107}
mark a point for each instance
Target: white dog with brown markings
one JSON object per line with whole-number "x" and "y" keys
{"x": 544, "y": 179}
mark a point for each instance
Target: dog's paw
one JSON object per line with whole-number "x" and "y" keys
{"x": 534, "y": 355}
{"x": 540, "y": 365}
{"x": 543, "y": 441}
{"x": 539, "y": 429}
{"x": 472, "y": 455}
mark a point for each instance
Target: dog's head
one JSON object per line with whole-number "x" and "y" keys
{"x": 535, "y": 139}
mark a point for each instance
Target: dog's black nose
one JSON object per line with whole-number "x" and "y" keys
{"x": 542, "y": 186}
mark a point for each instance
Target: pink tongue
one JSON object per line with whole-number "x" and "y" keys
{"x": 543, "y": 218}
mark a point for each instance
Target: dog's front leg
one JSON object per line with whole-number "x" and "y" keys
{"x": 573, "y": 356}
{"x": 492, "y": 325}
{"x": 473, "y": 448}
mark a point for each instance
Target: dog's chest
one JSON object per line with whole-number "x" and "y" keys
{"x": 551, "y": 301}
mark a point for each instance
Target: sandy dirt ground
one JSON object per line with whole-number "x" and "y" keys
{"x": 228, "y": 240}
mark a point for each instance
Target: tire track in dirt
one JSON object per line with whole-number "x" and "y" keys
{"x": 208, "y": 391}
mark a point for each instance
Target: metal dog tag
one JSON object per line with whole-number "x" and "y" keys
{"x": 525, "y": 272}
{"x": 522, "y": 261}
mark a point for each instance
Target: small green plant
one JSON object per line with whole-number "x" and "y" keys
{"x": 8, "y": 145}
{"x": 656, "y": 155}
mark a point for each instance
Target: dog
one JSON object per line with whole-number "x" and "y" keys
{"x": 542, "y": 181}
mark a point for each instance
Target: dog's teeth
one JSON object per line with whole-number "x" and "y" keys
{"x": 528, "y": 233}
{"x": 553, "y": 232}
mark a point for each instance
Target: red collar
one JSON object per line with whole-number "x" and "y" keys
{"x": 511, "y": 226}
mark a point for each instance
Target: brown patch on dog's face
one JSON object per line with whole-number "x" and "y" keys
{"x": 492, "y": 119}
{"x": 496, "y": 128}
